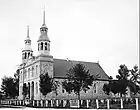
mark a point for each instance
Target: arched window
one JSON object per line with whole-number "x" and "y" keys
{"x": 28, "y": 54}
{"x": 36, "y": 69}
{"x": 41, "y": 45}
{"x": 25, "y": 74}
{"x": 95, "y": 87}
{"x": 25, "y": 55}
{"x": 38, "y": 46}
{"x": 45, "y": 45}
{"x": 28, "y": 72}
{"x": 36, "y": 88}
{"x": 63, "y": 90}
{"x": 32, "y": 71}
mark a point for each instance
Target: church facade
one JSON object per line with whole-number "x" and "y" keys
{"x": 32, "y": 66}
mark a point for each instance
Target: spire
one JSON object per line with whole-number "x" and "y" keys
{"x": 44, "y": 16}
{"x": 28, "y": 31}
{"x": 43, "y": 30}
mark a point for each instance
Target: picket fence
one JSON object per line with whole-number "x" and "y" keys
{"x": 112, "y": 103}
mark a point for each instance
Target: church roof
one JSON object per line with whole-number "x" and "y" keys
{"x": 61, "y": 66}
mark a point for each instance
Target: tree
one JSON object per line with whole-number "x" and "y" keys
{"x": 115, "y": 87}
{"x": 46, "y": 84}
{"x": 55, "y": 86}
{"x": 16, "y": 82}
{"x": 79, "y": 79}
{"x": 8, "y": 87}
{"x": 68, "y": 86}
{"x": 134, "y": 82}
{"x": 123, "y": 73}
{"x": 135, "y": 75}
{"x": 106, "y": 88}
{"x": 1, "y": 95}
{"x": 125, "y": 79}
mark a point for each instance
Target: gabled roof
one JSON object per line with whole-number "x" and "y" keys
{"x": 61, "y": 66}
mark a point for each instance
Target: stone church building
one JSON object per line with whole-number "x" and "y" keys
{"x": 32, "y": 66}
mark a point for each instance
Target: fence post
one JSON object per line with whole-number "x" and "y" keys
{"x": 33, "y": 103}
{"x": 78, "y": 103}
{"x": 87, "y": 103}
{"x": 57, "y": 103}
{"x": 46, "y": 103}
{"x": 20, "y": 102}
{"x": 37, "y": 103}
{"x": 107, "y": 103}
{"x": 81, "y": 102}
{"x": 41, "y": 103}
{"x": 63, "y": 103}
{"x": 137, "y": 104}
{"x": 97, "y": 103}
{"x": 121, "y": 103}
{"x": 51, "y": 103}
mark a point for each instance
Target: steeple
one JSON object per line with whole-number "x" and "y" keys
{"x": 44, "y": 41}
{"x": 44, "y": 17}
{"x": 27, "y": 51}
{"x": 28, "y": 31}
{"x": 27, "y": 40}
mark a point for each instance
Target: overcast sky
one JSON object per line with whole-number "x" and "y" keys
{"x": 87, "y": 30}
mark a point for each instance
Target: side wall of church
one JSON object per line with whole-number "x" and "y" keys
{"x": 95, "y": 91}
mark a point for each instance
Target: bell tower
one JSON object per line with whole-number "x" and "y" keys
{"x": 27, "y": 51}
{"x": 43, "y": 41}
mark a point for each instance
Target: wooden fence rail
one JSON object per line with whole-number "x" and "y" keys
{"x": 113, "y": 103}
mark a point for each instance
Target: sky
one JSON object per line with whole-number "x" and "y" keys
{"x": 104, "y": 31}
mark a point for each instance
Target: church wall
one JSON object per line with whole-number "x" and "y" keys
{"x": 32, "y": 75}
{"x": 95, "y": 91}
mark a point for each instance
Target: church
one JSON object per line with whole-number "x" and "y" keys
{"x": 32, "y": 66}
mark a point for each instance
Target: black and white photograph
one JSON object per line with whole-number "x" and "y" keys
{"x": 69, "y": 54}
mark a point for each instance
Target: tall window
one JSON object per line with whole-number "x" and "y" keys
{"x": 28, "y": 72}
{"x": 36, "y": 69}
{"x": 28, "y": 54}
{"x": 38, "y": 46}
{"x": 32, "y": 71}
{"x": 45, "y": 45}
{"x": 63, "y": 90}
{"x": 41, "y": 45}
{"x": 95, "y": 88}
{"x": 25, "y": 74}
{"x": 36, "y": 88}
{"x": 25, "y": 55}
